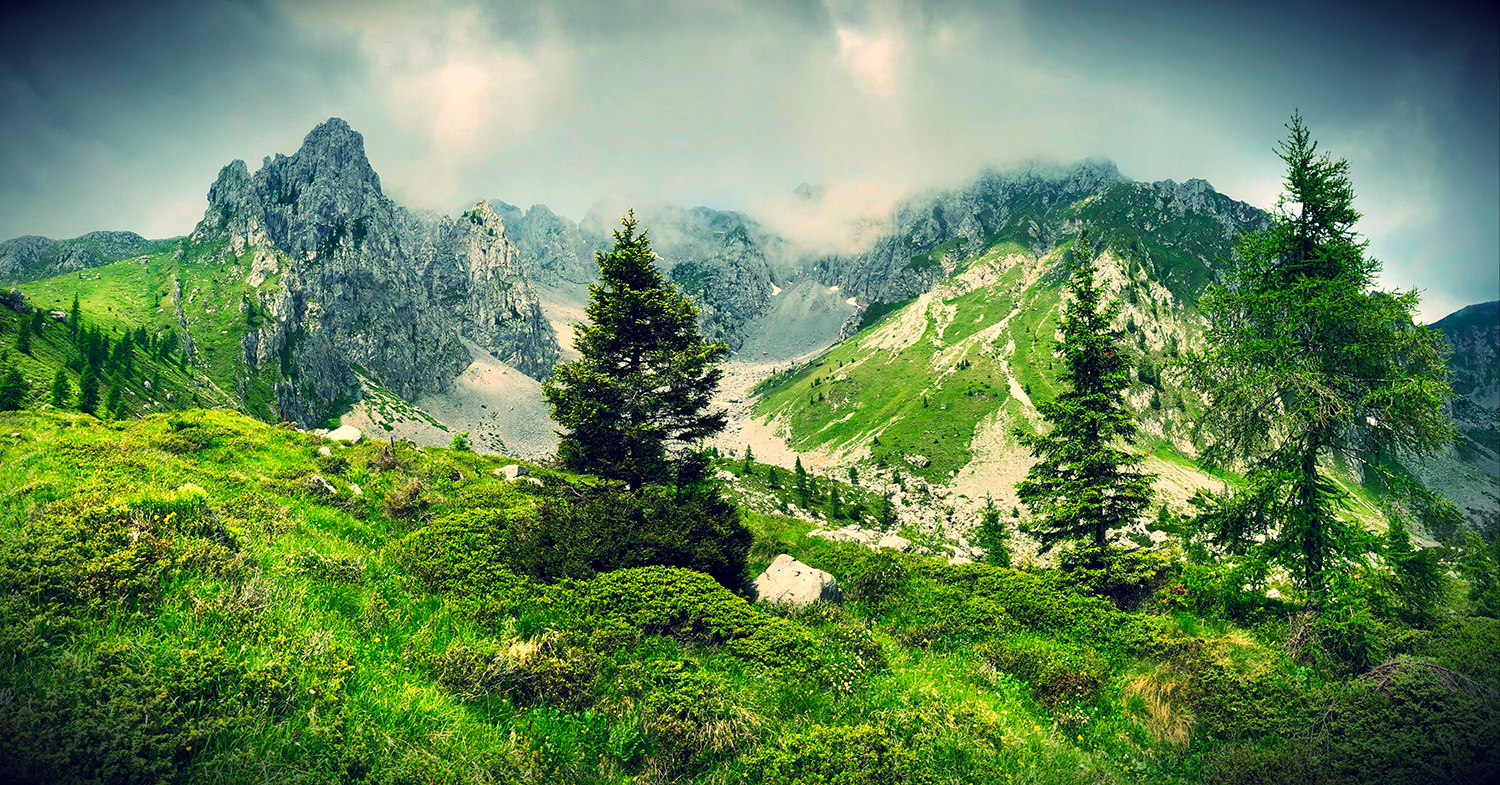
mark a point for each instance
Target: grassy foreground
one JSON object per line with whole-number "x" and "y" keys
{"x": 200, "y": 597}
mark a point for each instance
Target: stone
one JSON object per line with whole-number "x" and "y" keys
{"x": 846, "y": 534}
{"x": 790, "y": 581}
{"x": 356, "y": 490}
{"x": 919, "y": 461}
{"x": 894, "y": 542}
{"x": 346, "y": 433}
{"x": 324, "y": 451}
{"x": 956, "y": 560}
{"x": 512, "y": 471}
{"x": 725, "y": 475}
{"x": 320, "y": 486}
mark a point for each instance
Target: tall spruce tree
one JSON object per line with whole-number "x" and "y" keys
{"x": 1305, "y": 361}
{"x": 14, "y": 390}
{"x": 639, "y": 394}
{"x": 88, "y": 390}
{"x": 1085, "y": 483}
{"x": 61, "y": 389}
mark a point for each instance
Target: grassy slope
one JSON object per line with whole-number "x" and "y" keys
{"x": 127, "y": 294}
{"x": 331, "y": 662}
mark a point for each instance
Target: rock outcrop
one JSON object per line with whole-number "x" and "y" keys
{"x": 363, "y": 287}
{"x": 790, "y": 581}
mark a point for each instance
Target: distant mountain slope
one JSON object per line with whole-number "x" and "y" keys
{"x": 32, "y": 258}
{"x": 1473, "y": 334}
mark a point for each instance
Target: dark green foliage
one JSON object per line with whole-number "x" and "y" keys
{"x": 1125, "y": 577}
{"x": 61, "y": 389}
{"x": 1083, "y": 485}
{"x": 640, "y": 389}
{"x": 838, "y": 755}
{"x": 14, "y": 390}
{"x": 23, "y": 339}
{"x": 993, "y": 536}
{"x": 610, "y": 528}
{"x": 1306, "y": 361}
{"x": 74, "y": 315}
{"x": 116, "y": 401}
{"x": 88, "y": 390}
{"x": 460, "y": 441}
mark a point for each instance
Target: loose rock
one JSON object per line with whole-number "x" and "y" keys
{"x": 790, "y": 581}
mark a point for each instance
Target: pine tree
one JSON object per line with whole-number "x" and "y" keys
{"x": 748, "y": 467}
{"x": 771, "y": 480}
{"x": 835, "y": 508}
{"x": 88, "y": 390}
{"x": 23, "y": 339}
{"x": 74, "y": 315}
{"x": 640, "y": 391}
{"x": 61, "y": 390}
{"x": 1085, "y": 484}
{"x": 38, "y": 321}
{"x": 1306, "y": 361}
{"x": 853, "y": 476}
{"x": 124, "y": 355}
{"x": 116, "y": 399}
{"x": 803, "y": 492}
{"x": 992, "y": 536}
{"x": 13, "y": 390}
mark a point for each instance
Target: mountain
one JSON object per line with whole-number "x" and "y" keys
{"x": 32, "y": 258}
{"x": 1473, "y": 335}
{"x": 364, "y": 289}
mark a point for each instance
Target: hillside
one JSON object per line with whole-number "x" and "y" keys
{"x": 198, "y": 596}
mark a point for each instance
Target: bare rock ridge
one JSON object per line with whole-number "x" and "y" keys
{"x": 1473, "y": 334}
{"x": 364, "y": 287}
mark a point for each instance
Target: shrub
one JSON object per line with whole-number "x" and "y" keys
{"x": 1127, "y": 578}
{"x": 692, "y": 606}
{"x": 841, "y": 754}
{"x": 691, "y": 719}
{"x": 877, "y": 580}
{"x": 1246, "y": 764}
{"x": 1057, "y": 671}
{"x": 611, "y": 528}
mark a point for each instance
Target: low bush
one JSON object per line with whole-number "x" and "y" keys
{"x": 1056, "y": 671}
{"x": 841, "y": 755}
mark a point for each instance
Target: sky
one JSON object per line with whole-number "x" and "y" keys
{"x": 119, "y": 115}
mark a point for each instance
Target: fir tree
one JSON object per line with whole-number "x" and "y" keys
{"x": 38, "y": 321}
{"x": 748, "y": 467}
{"x": 74, "y": 316}
{"x": 803, "y": 491}
{"x": 835, "y": 508}
{"x": 88, "y": 390}
{"x": 23, "y": 339}
{"x": 13, "y": 390}
{"x": 1085, "y": 483}
{"x": 61, "y": 389}
{"x": 116, "y": 399}
{"x": 1306, "y": 361}
{"x": 771, "y": 480}
{"x": 992, "y": 536}
{"x": 639, "y": 393}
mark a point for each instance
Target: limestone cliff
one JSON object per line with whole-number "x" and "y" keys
{"x": 361, "y": 286}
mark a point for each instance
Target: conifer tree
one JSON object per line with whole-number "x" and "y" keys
{"x": 835, "y": 508}
{"x": 749, "y": 456}
{"x": 639, "y": 394}
{"x": 74, "y": 315}
{"x": 116, "y": 400}
{"x": 803, "y": 491}
{"x": 992, "y": 536}
{"x": 61, "y": 389}
{"x": 13, "y": 390}
{"x": 23, "y": 338}
{"x": 1085, "y": 483}
{"x": 1306, "y": 361}
{"x": 88, "y": 390}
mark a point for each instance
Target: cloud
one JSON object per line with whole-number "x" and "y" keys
{"x": 118, "y": 116}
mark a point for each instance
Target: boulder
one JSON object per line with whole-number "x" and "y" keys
{"x": 356, "y": 490}
{"x": 346, "y": 433}
{"x": 846, "y": 534}
{"x": 956, "y": 560}
{"x": 894, "y": 542}
{"x": 512, "y": 471}
{"x": 318, "y": 486}
{"x": 324, "y": 451}
{"x": 790, "y": 581}
{"x": 725, "y": 475}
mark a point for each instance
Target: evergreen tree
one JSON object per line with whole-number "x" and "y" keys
{"x": 641, "y": 388}
{"x": 23, "y": 339}
{"x": 1306, "y": 361}
{"x": 38, "y": 321}
{"x": 74, "y": 315}
{"x": 13, "y": 390}
{"x": 749, "y": 456}
{"x": 835, "y": 508}
{"x": 88, "y": 390}
{"x": 853, "y": 476}
{"x": 1085, "y": 483}
{"x": 771, "y": 480}
{"x": 116, "y": 399}
{"x": 992, "y": 536}
{"x": 61, "y": 390}
{"x": 887, "y": 513}
{"x": 124, "y": 354}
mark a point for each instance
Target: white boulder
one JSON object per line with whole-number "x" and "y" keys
{"x": 894, "y": 542}
{"x": 346, "y": 433}
{"x": 790, "y": 581}
{"x": 512, "y": 471}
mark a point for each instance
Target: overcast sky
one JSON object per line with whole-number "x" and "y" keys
{"x": 119, "y": 116}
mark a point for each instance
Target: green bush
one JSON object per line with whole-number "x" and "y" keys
{"x": 611, "y": 528}
{"x": 837, "y": 755}
{"x": 877, "y": 580}
{"x": 692, "y": 606}
{"x": 1246, "y": 764}
{"x": 1056, "y": 671}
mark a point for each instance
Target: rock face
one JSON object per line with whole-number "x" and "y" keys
{"x": 361, "y": 283}
{"x": 790, "y": 581}
{"x": 1473, "y": 334}
{"x": 553, "y": 250}
{"x": 32, "y": 258}
{"x": 731, "y": 287}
